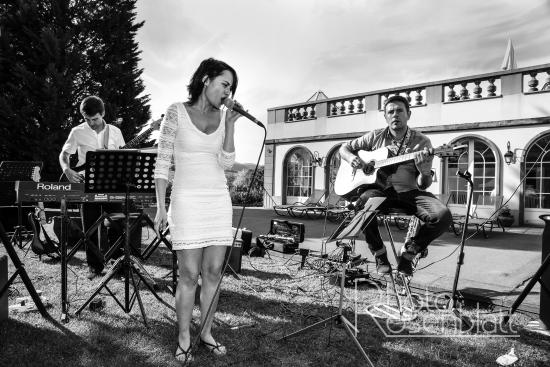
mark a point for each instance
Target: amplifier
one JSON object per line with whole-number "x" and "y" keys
{"x": 283, "y": 236}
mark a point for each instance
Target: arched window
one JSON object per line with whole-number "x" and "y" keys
{"x": 480, "y": 160}
{"x": 331, "y": 168}
{"x": 299, "y": 173}
{"x": 536, "y": 192}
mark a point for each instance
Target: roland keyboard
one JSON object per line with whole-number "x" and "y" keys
{"x": 32, "y": 192}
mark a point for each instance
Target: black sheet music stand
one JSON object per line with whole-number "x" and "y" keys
{"x": 122, "y": 171}
{"x": 19, "y": 171}
{"x": 349, "y": 230}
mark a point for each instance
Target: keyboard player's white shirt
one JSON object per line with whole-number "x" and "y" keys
{"x": 83, "y": 139}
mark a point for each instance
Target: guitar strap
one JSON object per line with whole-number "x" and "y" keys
{"x": 106, "y": 137}
{"x": 401, "y": 146}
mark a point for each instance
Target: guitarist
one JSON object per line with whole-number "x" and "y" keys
{"x": 403, "y": 185}
{"x": 94, "y": 133}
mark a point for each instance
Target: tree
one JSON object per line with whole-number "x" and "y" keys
{"x": 37, "y": 65}
{"x": 53, "y": 54}
{"x": 112, "y": 58}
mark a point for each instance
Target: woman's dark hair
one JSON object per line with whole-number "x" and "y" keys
{"x": 92, "y": 105}
{"x": 210, "y": 68}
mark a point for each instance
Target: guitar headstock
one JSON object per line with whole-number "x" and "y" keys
{"x": 155, "y": 125}
{"x": 35, "y": 176}
{"x": 449, "y": 150}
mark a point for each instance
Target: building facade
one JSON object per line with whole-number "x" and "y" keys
{"x": 493, "y": 115}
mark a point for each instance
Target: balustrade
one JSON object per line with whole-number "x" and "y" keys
{"x": 301, "y": 113}
{"x": 347, "y": 106}
{"x": 472, "y": 89}
{"x": 535, "y": 79}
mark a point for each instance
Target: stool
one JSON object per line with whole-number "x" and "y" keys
{"x": 399, "y": 217}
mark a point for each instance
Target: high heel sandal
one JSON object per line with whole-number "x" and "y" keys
{"x": 216, "y": 349}
{"x": 184, "y": 356}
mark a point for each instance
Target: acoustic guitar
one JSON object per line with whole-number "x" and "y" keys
{"x": 348, "y": 179}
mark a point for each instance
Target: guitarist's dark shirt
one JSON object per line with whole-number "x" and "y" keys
{"x": 402, "y": 177}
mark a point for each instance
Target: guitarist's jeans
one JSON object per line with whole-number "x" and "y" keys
{"x": 90, "y": 214}
{"x": 435, "y": 215}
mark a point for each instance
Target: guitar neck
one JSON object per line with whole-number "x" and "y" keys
{"x": 394, "y": 160}
{"x": 138, "y": 139}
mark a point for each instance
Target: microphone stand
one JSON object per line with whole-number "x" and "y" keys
{"x": 460, "y": 259}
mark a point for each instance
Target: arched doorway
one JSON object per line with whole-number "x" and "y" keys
{"x": 298, "y": 175}
{"x": 480, "y": 158}
{"x": 536, "y": 187}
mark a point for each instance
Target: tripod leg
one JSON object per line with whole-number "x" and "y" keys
{"x": 102, "y": 284}
{"x": 528, "y": 287}
{"x": 22, "y": 272}
{"x": 396, "y": 294}
{"x": 138, "y": 296}
{"x": 153, "y": 292}
{"x": 309, "y": 327}
{"x": 345, "y": 322}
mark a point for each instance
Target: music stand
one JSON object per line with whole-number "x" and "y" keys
{"x": 122, "y": 171}
{"x": 19, "y": 171}
{"x": 348, "y": 231}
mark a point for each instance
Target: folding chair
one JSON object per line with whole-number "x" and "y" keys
{"x": 287, "y": 208}
{"x": 485, "y": 214}
{"x": 456, "y": 202}
{"x": 333, "y": 201}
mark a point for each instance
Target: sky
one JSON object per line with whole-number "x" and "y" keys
{"x": 286, "y": 50}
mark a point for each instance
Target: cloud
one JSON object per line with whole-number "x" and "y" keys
{"x": 284, "y": 50}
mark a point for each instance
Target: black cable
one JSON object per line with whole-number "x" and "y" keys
{"x": 543, "y": 151}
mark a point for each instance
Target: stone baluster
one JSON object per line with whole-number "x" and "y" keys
{"x": 477, "y": 89}
{"x": 333, "y": 109}
{"x": 342, "y": 107}
{"x": 360, "y": 105}
{"x": 546, "y": 85}
{"x": 408, "y": 96}
{"x": 464, "y": 94}
{"x": 418, "y": 98}
{"x": 351, "y": 106}
{"x": 298, "y": 113}
{"x": 312, "y": 112}
{"x": 290, "y": 115}
{"x": 491, "y": 88}
{"x": 533, "y": 83}
{"x": 305, "y": 114}
{"x": 451, "y": 94}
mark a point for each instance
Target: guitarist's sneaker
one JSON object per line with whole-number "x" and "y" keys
{"x": 405, "y": 266}
{"x": 383, "y": 265}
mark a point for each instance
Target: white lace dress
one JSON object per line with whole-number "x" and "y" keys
{"x": 200, "y": 212}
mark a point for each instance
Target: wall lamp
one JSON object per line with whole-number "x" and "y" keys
{"x": 509, "y": 156}
{"x": 317, "y": 160}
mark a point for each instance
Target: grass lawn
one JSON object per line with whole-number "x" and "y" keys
{"x": 272, "y": 298}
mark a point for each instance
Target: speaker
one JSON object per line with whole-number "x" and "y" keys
{"x": 236, "y": 257}
{"x": 246, "y": 239}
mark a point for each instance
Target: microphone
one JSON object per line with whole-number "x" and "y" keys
{"x": 229, "y": 103}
